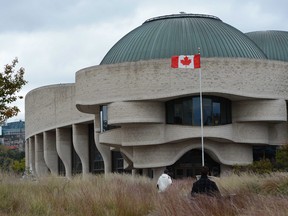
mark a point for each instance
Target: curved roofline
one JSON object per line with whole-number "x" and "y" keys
{"x": 50, "y": 86}
{"x": 274, "y": 43}
{"x": 180, "y": 34}
{"x": 182, "y": 15}
{"x": 266, "y": 31}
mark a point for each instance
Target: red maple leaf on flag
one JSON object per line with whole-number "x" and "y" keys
{"x": 186, "y": 61}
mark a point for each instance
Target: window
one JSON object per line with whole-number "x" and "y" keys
{"x": 186, "y": 111}
{"x": 104, "y": 126}
{"x": 117, "y": 162}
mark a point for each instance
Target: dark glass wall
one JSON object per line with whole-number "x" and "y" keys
{"x": 189, "y": 165}
{"x": 117, "y": 162}
{"x": 96, "y": 163}
{"x": 264, "y": 152}
{"x": 61, "y": 167}
{"x": 186, "y": 111}
{"x": 76, "y": 162}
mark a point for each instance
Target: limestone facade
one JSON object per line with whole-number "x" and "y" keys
{"x": 135, "y": 94}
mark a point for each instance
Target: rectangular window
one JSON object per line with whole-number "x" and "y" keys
{"x": 170, "y": 113}
{"x": 187, "y": 112}
{"x": 120, "y": 164}
{"x": 226, "y": 113}
{"x": 98, "y": 165}
{"x": 207, "y": 111}
{"x": 117, "y": 162}
{"x": 216, "y": 113}
{"x": 178, "y": 113}
{"x": 196, "y": 111}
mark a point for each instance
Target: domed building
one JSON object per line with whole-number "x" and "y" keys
{"x": 273, "y": 43}
{"x": 135, "y": 113}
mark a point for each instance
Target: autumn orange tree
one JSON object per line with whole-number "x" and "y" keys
{"x": 11, "y": 82}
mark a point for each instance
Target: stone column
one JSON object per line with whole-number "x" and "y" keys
{"x": 40, "y": 165}
{"x": 64, "y": 148}
{"x": 134, "y": 172}
{"x": 157, "y": 172}
{"x": 50, "y": 152}
{"x": 104, "y": 150}
{"x": 26, "y": 154}
{"x": 32, "y": 155}
{"x": 145, "y": 172}
{"x": 81, "y": 145}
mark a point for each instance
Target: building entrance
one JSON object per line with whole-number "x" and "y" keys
{"x": 189, "y": 165}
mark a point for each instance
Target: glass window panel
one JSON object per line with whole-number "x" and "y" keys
{"x": 216, "y": 113}
{"x": 196, "y": 111}
{"x": 187, "y": 111}
{"x": 216, "y": 110}
{"x": 207, "y": 111}
{"x": 170, "y": 112}
{"x": 224, "y": 114}
{"x": 178, "y": 112}
{"x": 119, "y": 163}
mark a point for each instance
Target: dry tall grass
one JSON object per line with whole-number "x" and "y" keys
{"x": 123, "y": 195}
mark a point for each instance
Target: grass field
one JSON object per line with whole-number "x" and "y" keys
{"x": 124, "y": 195}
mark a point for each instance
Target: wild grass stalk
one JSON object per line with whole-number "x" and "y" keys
{"x": 124, "y": 195}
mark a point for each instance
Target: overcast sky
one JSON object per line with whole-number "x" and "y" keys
{"x": 53, "y": 39}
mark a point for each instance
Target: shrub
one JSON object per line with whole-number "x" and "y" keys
{"x": 19, "y": 166}
{"x": 263, "y": 166}
{"x": 282, "y": 157}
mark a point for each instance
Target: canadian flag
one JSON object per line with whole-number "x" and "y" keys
{"x": 185, "y": 61}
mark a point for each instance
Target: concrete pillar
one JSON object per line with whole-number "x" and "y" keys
{"x": 64, "y": 148}
{"x": 134, "y": 172}
{"x": 145, "y": 172}
{"x": 26, "y": 154}
{"x": 40, "y": 165}
{"x": 157, "y": 172}
{"x": 81, "y": 145}
{"x": 50, "y": 152}
{"x": 104, "y": 150}
{"x": 32, "y": 155}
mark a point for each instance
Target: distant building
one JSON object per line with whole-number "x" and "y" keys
{"x": 133, "y": 112}
{"x": 13, "y": 135}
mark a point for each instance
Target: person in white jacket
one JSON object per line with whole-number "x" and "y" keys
{"x": 164, "y": 181}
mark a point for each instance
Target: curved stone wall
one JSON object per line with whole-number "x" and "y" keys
{"x": 260, "y": 110}
{"x": 50, "y": 107}
{"x": 155, "y": 79}
{"x": 165, "y": 155}
{"x": 136, "y": 112}
{"x": 157, "y": 134}
{"x": 135, "y": 94}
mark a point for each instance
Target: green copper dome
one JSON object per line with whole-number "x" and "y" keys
{"x": 273, "y": 43}
{"x": 182, "y": 34}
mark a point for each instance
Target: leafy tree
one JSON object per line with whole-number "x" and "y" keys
{"x": 282, "y": 157}
{"x": 18, "y": 166}
{"x": 11, "y": 82}
{"x": 11, "y": 160}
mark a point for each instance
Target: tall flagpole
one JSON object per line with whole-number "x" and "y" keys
{"x": 201, "y": 113}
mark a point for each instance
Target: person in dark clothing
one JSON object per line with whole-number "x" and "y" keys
{"x": 204, "y": 185}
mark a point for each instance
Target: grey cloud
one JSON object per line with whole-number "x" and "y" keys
{"x": 34, "y": 15}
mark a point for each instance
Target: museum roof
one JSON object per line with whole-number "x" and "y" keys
{"x": 182, "y": 34}
{"x": 273, "y": 43}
